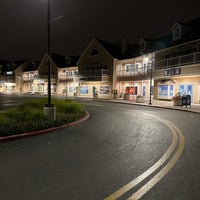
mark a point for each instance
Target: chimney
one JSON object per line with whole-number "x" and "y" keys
{"x": 124, "y": 45}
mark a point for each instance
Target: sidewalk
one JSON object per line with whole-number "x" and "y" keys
{"x": 160, "y": 104}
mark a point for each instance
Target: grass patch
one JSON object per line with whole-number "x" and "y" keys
{"x": 29, "y": 116}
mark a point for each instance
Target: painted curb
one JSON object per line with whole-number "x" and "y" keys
{"x": 30, "y": 134}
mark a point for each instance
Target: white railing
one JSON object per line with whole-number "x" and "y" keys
{"x": 66, "y": 77}
{"x": 99, "y": 75}
{"x": 188, "y": 59}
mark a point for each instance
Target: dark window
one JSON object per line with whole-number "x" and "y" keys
{"x": 94, "y": 52}
{"x": 177, "y": 33}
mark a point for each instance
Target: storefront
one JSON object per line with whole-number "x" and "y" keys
{"x": 166, "y": 89}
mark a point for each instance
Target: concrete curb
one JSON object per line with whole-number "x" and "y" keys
{"x": 156, "y": 106}
{"x": 30, "y": 134}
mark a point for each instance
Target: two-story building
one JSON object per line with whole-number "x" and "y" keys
{"x": 7, "y": 76}
{"x": 177, "y": 63}
{"x": 32, "y": 76}
{"x": 95, "y": 69}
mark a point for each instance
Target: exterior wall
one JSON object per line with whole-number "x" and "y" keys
{"x": 178, "y": 71}
{"x": 95, "y": 69}
{"x": 67, "y": 81}
{"x": 102, "y": 58}
{"x": 187, "y": 82}
{"x": 86, "y": 89}
{"x": 135, "y": 82}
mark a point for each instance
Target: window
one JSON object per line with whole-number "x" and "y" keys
{"x": 129, "y": 68}
{"x": 67, "y": 60}
{"x": 131, "y": 90}
{"x": 165, "y": 91}
{"x": 132, "y": 67}
{"x": 94, "y": 52}
{"x": 177, "y": 33}
{"x": 76, "y": 72}
{"x": 142, "y": 45}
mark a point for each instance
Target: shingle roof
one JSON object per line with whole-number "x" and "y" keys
{"x": 191, "y": 31}
{"x": 113, "y": 49}
{"x": 9, "y": 65}
{"x": 31, "y": 66}
{"x": 60, "y": 60}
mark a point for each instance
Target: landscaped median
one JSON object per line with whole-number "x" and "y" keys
{"x": 27, "y": 118}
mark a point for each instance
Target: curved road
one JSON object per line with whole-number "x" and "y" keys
{"x": 121, "y": 152}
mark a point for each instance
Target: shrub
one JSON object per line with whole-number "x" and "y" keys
{"x": 29, "y": 116}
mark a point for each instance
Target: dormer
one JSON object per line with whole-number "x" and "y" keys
{"x": 67, "y": 60}
{"x": 177, "y": 31}
{"x": 142, "y": 44}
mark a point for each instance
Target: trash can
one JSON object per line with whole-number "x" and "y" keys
{"x": 186, "y": 100}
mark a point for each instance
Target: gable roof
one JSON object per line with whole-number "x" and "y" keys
{"x": 190, "y": 32}
{"x": 113, "y": 49}
{"x": 60, "y": 60}
{"x": 31, "y": 66}
{"x": 11, "y": 66}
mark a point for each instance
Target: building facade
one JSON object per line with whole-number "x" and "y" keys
{"x": 156, "y": 68}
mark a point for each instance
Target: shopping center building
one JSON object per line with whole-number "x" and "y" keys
{"x": 154, "y": 67}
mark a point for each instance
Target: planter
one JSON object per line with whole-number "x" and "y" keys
{"x": 115, "y": 96}
{"x": 95, "y": 96}
{"x": 126, "y": 96}
{"x": 139, "y": 99}
{"x": 177, "y": 102}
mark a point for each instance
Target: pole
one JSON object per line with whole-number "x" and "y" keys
{"x": 49, "y": 109}
{"x": 150, "y": 102}
{"x": 49, "y": 53}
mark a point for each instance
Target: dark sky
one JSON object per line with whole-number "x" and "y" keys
{"x": 23, "y": 23}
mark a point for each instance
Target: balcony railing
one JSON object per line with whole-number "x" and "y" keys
{"x": 31, "y": 78}
{"x": 94, "y": 75}
{"x": 188, "y": 59}
{"x": 66, "y": 78}
{"x": 138, "y": 74}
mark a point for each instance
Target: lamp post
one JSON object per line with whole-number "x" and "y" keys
{"x": 49, "y": 52}
{"x": 150, "y": 91}
{"x": 49, "y": 109}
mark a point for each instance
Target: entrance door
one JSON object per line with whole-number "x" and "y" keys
{"x": 186, "y": 89}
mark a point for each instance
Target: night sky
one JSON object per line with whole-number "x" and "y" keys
{"x": 23, "y": 23}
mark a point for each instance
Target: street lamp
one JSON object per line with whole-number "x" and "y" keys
{"x": 49, "y": 53}
{"x": 151, "y": 72}
{"x": 49, "y": 109}
{"x": 150, "y": 69}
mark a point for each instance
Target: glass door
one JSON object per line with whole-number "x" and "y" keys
{"x": 186, "y": 89}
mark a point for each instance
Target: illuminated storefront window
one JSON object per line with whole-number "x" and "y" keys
{"x": 165, "y": 91}
{"x": 131, "y": 90}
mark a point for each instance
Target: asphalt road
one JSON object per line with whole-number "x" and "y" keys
{"x": 140, "y": 152}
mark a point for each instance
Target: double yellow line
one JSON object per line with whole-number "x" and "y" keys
{"x": 176, "y": 147}
{"x": 165, "y": 163}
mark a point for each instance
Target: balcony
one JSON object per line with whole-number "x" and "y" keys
{"x": 40, "y": 77}
{"x": 124, "y": 75}
{"x": 94, "y": 75}
{"x": 188, "y": 59}
{"x": 66, "y": 78}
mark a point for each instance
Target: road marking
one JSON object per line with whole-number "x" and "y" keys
{"x": 145, "y": 188}
{"x": 176, "y": 132}
{"x": 177, "y": 137}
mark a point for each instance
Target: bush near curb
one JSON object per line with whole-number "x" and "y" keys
{"x": 29, "y": 116}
